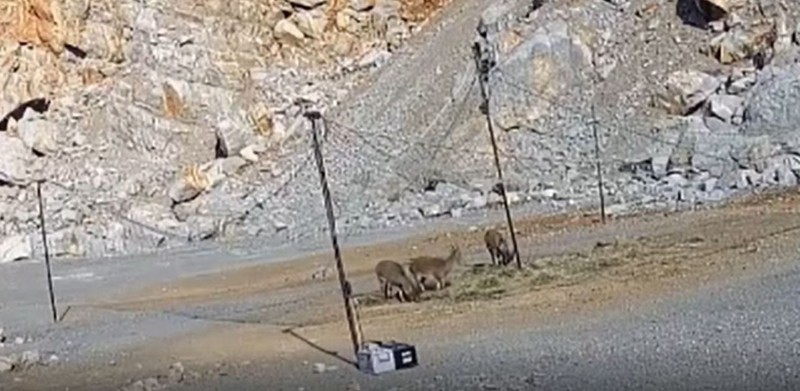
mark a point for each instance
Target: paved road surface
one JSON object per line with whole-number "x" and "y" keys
{"x": 741, "y": 335}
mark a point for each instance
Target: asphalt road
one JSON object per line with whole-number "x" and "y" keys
{"x": 737, "y": 335}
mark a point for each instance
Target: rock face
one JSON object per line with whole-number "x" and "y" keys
{"x": 155, "y": 127}
{"x": 769, "y": 111}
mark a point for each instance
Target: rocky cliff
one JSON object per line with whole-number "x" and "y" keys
{"x": 156, "y": 123}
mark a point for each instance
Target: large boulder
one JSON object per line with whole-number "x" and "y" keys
{"x": 15, "y": 248}
{"x": 14, "y": 160}
{"x": 772, "y": 109}
{"x": 536, "y": 73}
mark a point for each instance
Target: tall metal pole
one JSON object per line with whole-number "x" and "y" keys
{"x": 600, "y": 191}
{"x": 46, "y": 253}
{"x": 316, "y": 119}
{"x": 485, "y": 61}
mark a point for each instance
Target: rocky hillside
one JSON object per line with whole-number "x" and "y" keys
{"x": 130, "y": 109}
{"x": 161, "y": 122}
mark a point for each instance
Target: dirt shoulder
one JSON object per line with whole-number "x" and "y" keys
{"x": 575, "y": 268}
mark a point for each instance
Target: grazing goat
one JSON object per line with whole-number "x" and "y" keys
{"x": 497, "y": 247}
{"x": 391, "y": 274}
{"x": 435, "y": 268}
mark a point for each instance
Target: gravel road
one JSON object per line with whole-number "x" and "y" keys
{"x": 739, "y": 335}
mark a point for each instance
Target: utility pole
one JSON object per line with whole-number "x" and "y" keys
{"x": 316, "y": 120}
{"x": 599, "y": 165}
{"x": 46, "y": 252}
{"x": 484, "y": 62}
{"x": 598, "y": 161}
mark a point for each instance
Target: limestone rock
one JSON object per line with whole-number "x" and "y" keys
{"x": 770, "y": 109}
{"x": 362, "y": 5}
{"x": 549, "y": 62}
{"x": 14, "y": 160}
{"x": 6, "y": 364}
{"x": 188, "y": 185}
{"x": 15, "y": 248}
{"x": 310, "y": 23}
{"x": 230, "y": 139}
{"x": 685, "y": 91}
{"x": 307, "y": 3}
{"x": 286, "y": 31}
{"x": 725, "y": 107}
{"x": 37, "y": 133}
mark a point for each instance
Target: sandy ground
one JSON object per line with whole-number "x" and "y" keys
{"x": 283, "y": 317}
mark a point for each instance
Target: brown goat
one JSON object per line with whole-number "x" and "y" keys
{"x": 435, "y": 268}
{"x": 391, "y": 274}
{"x": 497, "y": 247}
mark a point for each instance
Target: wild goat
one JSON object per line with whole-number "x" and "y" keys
{"x": 497, "y": 247}
{"x": 435, "y": 268}
{"x": 392, "y": 274}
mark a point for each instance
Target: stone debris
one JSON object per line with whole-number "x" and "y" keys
{"x": 15, "y": 248}
{"x": 215, "y": 138}
{"x": 323, "y": 368}
{"x": 686, "y": 90}
{"x": 6, "y": 364}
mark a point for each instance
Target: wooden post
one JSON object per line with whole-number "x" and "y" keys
{"x": 484, "y": 62}
{"x": 316, "y": 120}
{"x": 46, "y": 252}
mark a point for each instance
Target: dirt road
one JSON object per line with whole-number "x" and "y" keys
{"x": 703, "y": 297}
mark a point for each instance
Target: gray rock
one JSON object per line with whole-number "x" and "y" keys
{"x": 781, "y": 170}
{"x": 310, "y": 23}
{"x": 709, "y": 184}
{"x": 375, "y": 57}
{"x": 185, "y": 188}
{"x": 30, "y": 358}
{"x": 152, "y": 384}
{"x": 494, "y": 198}
{"x": 37, "y": 133}
{"x": 684, "y": 91}
{"x": 797, "y": 34}
{"x": 432, "y": 210}
{"x": 755, "y": 153}
{"x": 478, "y": 201}
{"x": 659, "y": 165}
{"x": 287, "y": 31}
{"x": 725, "y": 107}
{"x": 717, "y": 125}
{"x": 7, "y": 364}
{"x": 741, "y": 84}
{"x": 14, "y": 160}
{"x": 676, "y": 180}
{"x": 155, "y": 215}
{"x": 67, "y": 242}
{"x": 554, "y": 46}
{"x": 747, "y": 178}
{"x": 713, "y": 153}
{"x": 176, "y": 373}
{"x": 230, "y": 139}
{"x": 15, "y": 248}
{"x": 771, "y": 108}
{"x": 307, "y": 3}
{"x": 362, "y": 5}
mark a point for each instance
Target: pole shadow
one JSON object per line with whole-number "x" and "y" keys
{"x": 290, "y": 331}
